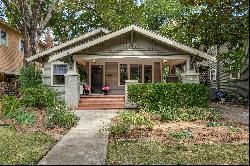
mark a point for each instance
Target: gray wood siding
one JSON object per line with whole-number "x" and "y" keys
{"x": 241, "y": 86}
{"x": 157, "y": 72}
{"x": 111, "y": 76}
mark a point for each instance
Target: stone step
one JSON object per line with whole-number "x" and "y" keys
{"x": 101, "y": 99}
{"x": 100, "y": 106}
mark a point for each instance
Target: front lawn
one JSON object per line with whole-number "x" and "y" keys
{"x": 147, "y": 139}
{"x": 155, "y": 153}
{"x": 22, "y": 147}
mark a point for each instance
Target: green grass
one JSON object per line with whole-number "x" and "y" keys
{"x": 152, "y": 153}
{"x": 17, "y": 148}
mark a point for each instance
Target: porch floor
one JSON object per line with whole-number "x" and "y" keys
{"x": 94, "y": 102}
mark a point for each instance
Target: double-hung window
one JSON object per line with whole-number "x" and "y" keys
{"x": 213, "y": 75}
{"x": 3, "y": 38}
{"x": 59, "y": 70}
{"x": 22, "y": 45}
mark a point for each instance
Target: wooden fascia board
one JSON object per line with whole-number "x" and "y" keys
{"x": 142, "y": 31}
{"x": 47, "y": 52}
{"x": 175, "y": 44}
{"x": 87, "y": 45}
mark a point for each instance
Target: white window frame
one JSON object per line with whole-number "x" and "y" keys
{"x": 234, "y": 78}
{"x": 7, "y": 38}
{"x": 215, "y": 75}
{"x": 52, "y": 72}
{"x": 128, "y": 70}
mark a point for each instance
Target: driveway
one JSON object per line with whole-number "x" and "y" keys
{"x": 234, "y": 113}
{"x": 83, "y": 144}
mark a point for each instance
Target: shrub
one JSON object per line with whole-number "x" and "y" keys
{"x": 60, "y": 115}
{"x": 188, "y": 114}
{"x": 9, "y": 106}
{"x": 40, "y": 96}
{"x": 117, "y": 129}
{"x": 30, "y": 77}
{"x": 152, "y": 96}
{"x": 135, "y": 119}
{"x": 25, "y": 117}
{"x": 215, "y": 124}
{"x": 181, "y": 134}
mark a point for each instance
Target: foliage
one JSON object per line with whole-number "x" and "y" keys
{"x": 234, "y": 129}
{"x": 30, "y": 77}
{"x": 31, "y": 18}
{"x": 25, "y": 117}
{"x": 40, "y": 96}
{"x": 188, "y": 114}
{"x": 60, "y": 115}
{"x": 159, "y": 153}
{"x": 9, "y": 106}
{"x": 135, "y": 119}
{"x": 118, "y": 129}
{"x": 215, "y": 124}
{"x": 22, "y": 148}
{"x": 180, "y": 134}
{"x": 82, "y": 75}
{"x": 152, "y": 96}
{"x": 129, "y": 119}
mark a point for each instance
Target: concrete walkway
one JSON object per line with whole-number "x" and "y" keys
{"x": 84, "y": 144}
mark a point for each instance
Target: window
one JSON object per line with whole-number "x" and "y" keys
{"x": 3, "y": 37}
{"x": 234, "y": 75}
{"x": 58, "y": 73}
{"x": 123, "y": 73}
{"x": 147, "y": 73}
{"x": 22, "y": 45}
{"x": 213, "y": 75}
{"x": 136, "y": 72}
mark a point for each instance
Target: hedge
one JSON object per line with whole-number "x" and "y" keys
{"x": 154, "y": 95}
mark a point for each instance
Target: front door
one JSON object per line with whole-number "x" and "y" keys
{"x": 96, "y": 78}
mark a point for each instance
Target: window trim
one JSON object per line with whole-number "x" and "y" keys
{"x": 210, "y": 75}
{"x": 234, "y": 78}
{"x": 52, "y": 72}
{"x": 7, "y": 38}
{"x": 139, "y": 63}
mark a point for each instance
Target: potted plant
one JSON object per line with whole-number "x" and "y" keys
{"x": 105, "y": 89}
{"x": 87, "y": 90}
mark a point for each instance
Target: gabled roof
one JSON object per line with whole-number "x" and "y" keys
{"x": 165, "y": 40}
{"x": 67, "y": 44}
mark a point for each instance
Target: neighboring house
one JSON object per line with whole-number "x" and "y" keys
{"x": 114, "y": 58}
{"x": 217, "y": 78}
{"x": 11, "y": 52}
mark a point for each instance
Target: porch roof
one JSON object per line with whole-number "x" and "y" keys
{"x": 81, "y": 46}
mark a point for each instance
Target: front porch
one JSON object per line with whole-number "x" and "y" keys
{"x": 113, "y": 72}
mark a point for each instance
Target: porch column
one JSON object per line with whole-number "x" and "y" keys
{"x": 127, "y": 103}
{"x": 72, "y": 89}
{"x": 190, "y": 75}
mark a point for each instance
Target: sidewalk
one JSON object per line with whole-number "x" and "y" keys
{"x": 84, "y": 144}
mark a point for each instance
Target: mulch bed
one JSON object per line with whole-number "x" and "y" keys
{"x": 200, "y": 132}
{"x": 40, "y": 125}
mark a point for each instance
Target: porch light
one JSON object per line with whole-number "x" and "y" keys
{"x": 94, "y": 61}
{"x": 165, "y": 61}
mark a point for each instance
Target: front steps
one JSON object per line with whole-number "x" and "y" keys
{"x": 96, "y": 102}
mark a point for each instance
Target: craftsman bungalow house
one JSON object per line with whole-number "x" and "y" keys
{"x": 131, "y": 54}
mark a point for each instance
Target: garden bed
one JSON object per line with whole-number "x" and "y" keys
{"x": 143, "y": 138}
{"x": 55, "y": 132}
{"x": 231, "y": 132}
